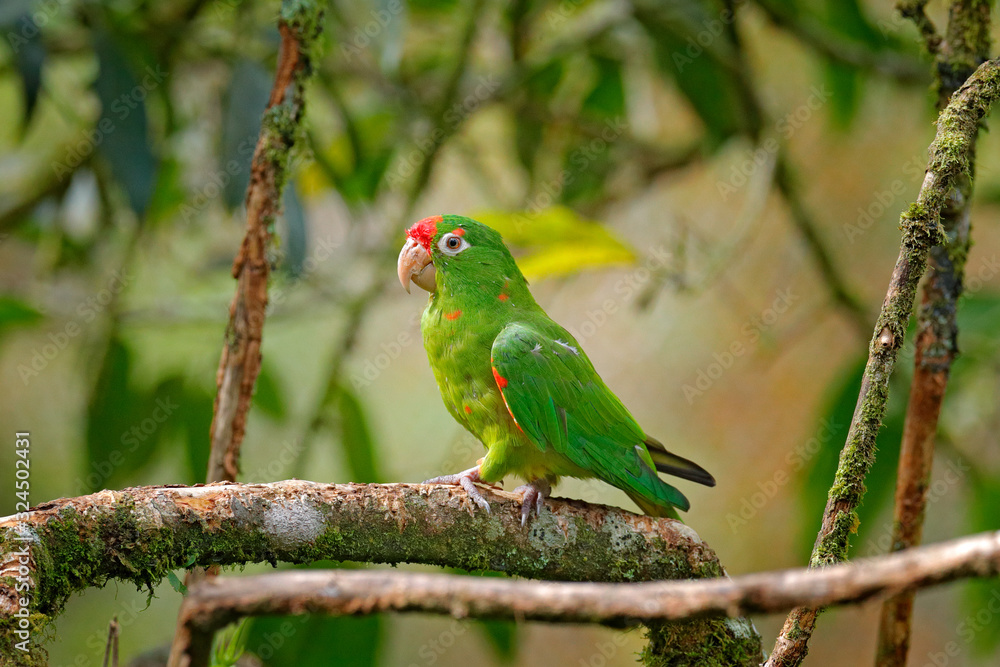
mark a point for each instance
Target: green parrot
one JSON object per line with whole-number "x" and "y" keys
{"x": 521, "y": 383}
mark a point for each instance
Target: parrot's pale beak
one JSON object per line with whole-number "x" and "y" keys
{"x": 415, "y": 264}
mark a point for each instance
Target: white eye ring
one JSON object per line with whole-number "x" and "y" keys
{"x": 448, "y": 244}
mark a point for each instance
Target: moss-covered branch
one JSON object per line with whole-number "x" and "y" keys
{"x": 950, "y": 160}
{"x": 966, "y": 45}
{"x": 239, "y": 365}
{"x": 141, "y": 534}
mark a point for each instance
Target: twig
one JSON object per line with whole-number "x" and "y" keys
{"x": 817, "y": 37}
{"x": 111, "y": 648}
{"x": 785, "y": 181}
{"x": 937, "y": 335}
{"x": 240, "y": 362}
{"x": 958, "y": 126}
{"x": 226, "y": 599}
{"x": 357, "y": 308}
{"x": 141, "y": 534}
{"x": 804, "y": 222}
{"x": 914, "y": 10}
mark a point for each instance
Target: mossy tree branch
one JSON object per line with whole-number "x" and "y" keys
{"x": 141, "y": 534}
{"x": 950, "y": 160}
{"x": 239, "y": 365}
{"x": 965, "y": 46}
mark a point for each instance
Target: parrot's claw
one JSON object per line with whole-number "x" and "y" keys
{"x": 467, "y": 479}
{"x": 535, "y": 494}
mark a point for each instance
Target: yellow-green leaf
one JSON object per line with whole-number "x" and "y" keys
{"x": 557, "y": 242}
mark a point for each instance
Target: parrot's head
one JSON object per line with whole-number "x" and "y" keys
{"x": 453, "y": 249}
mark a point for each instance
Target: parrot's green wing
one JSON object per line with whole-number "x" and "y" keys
{"x": 557, "y": 398}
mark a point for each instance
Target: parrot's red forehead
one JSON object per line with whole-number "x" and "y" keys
{"x": 423, "y": 232}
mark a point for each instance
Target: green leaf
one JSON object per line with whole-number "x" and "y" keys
{"x": 243, "y": 108}
{"x": 114, "y": 411}
{"x": 16, "y": 313}
{"x": 195, "y": 420}
{"x": 25, "y": 40}
{"x": 607, "y": 97}
{"x": 846, "y": 82}
{"x": 543, "y": 80}
{"x": 169, "y": 193}
{"x": 268, "y": 396}
{"x": 176, "y": 583}
{"x": 502, "y": 637}
{"x": 845, "y": 93}
{"x": 123, "y": 127}
{"x": 316, "y": 641}
{"x": 558, "y": 242}
{"x": 295, "y": 238}
{"x": 230, "y": 644}
{"x": 359, "y": 447}
{"x": 981, "y": 595}
{"x": 528, "y": 134}
{"x": 701, "y": 73}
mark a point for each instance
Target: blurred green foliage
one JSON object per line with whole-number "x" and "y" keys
{"x": 136, "y": 123}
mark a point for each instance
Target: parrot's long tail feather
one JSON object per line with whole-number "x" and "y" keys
{"x": 652, "y": 509}
{"x": 678, "y": 466}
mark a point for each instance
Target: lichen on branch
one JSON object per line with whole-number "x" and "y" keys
{"x": 141, "y": 534}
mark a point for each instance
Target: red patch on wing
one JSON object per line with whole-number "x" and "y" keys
{"x": 454, "y": 315}
{"x": 423, "y": 232}
{"x": 503, "y": 297}
{"x": 502, "y": 382}
{"x": 468, "y": 410}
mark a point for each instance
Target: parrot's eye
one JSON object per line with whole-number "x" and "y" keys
{"x": 452, "y": 244}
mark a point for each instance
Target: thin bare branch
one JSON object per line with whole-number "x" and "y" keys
{"x": 225, "y": 599}
{"x": 240, "y": 362}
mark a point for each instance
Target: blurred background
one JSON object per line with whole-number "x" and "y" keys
{"x": 706, "y": 194}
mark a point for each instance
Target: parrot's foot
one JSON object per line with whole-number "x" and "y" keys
{"x": 467, "y": 479}
{"x": 535, "y": 494}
